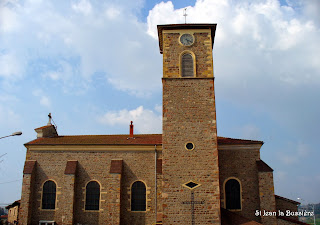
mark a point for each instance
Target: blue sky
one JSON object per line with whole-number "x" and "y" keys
{"x": 95, "y": 65}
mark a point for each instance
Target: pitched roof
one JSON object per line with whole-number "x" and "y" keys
{"x": 16, "y": 203}
{"x": 263, "y": 167}
{"x": 43, "y": 127}
{"x": 231, "y": 218}
{"x": 139, "y": 139}
{"x": 286, "y": 199}
{"x": 236, "y": 141}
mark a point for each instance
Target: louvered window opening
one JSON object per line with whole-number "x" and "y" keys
{"x": 233, "y": 197}
{"x": 49, "y": 195}
{"x": 92, "y": 196}
{"x": 138, "y": 196}
{"x": 187, "y": 65}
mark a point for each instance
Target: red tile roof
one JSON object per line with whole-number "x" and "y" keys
{"x": 263, "y": 167}
{"x": 235, "y": 141}
{"x": 139, "y": 139}
{"x": 43, "y": 127}
{"x": 288, "y": 200}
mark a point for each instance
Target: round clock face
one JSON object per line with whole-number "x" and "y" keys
{"x": 186, "y": 39}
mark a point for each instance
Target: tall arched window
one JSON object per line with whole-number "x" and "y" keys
{"x": 233, "y": 194}
{"x": 49, "y": 195}
{"x": 187, "y": 65}
{"x": 138, "y": 196}
{"x": 92, "y": 196}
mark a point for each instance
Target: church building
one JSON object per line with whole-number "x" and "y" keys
{"x": 186, "y": 175}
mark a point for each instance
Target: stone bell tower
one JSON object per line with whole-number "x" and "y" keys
{"x": 191, "y": 192}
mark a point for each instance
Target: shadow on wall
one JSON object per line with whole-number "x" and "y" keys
{"x": 128, "y": 217}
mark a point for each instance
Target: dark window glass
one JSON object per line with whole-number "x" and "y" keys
{"x": 233, "y": 194}
{"x": 138, "y": 196}
{"x": 49, "y": 195}
{"x": 92, "y": 195}
{"x": 189, "y": 146}
{"x": 187, "y": 65}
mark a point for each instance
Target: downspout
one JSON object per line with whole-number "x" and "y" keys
{"x": 155, "y": 180}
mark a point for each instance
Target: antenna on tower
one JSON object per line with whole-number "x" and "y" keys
{"x": 185, "y": 15}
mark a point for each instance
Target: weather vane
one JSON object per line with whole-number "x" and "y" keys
{"x": 185, "y": 15}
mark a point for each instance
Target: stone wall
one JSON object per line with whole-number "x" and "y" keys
{"x": 93, "y": 165}
{"x": 240, "y": 162}
{"x": 189, "y": 117}
{"x": 202, "y": 49}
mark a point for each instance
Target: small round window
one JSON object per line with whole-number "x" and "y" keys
{"x": 189, "y": 146}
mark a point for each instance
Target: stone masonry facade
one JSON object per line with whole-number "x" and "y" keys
{"x": 184, "y": 170}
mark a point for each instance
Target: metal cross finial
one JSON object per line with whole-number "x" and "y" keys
{"x": 185, "y": 15}
{"x": 49, "y": 122}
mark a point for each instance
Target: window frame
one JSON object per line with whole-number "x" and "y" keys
{"x": 194, "y": 63}
{"x": 225, "y": 193}
{"x": 146, "y": 199}
{"x": 85, "y": 197}
{"x": 43, "y": 192}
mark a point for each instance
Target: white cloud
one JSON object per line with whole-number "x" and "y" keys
{"x": 44, "y": 100}
{"x": 113, "y": 12}
{"x": 144, "y": 120}
{"x": 265, "y": 56}
{"x": 83, "y": 6}
{"x": 53, "y": 75}
{"x": 10, "y": 67}
{"x": 9, "y": 21}
{"x": 91, "y": 37}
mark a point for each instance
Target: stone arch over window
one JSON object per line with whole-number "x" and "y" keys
{"x": 92, "y": 196}
{"x": 138, "y": 196}
{"x": 187, "y": 64}
{"x": 49, "y": 195}
{"x": 232, "y": 194}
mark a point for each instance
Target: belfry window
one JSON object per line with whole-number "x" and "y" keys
{"x": 187, "y": 65}
{"x": 49, "y": 195}
{"x": 92, "y": 196}
{"x": 233, "y": 194}
{"x": 138, "y": 196}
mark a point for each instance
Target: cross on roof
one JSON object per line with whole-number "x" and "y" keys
{"x": 185, "y": 15}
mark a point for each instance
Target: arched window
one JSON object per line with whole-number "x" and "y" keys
{"x": 92, "y": 196}
{"x": 49, "y": 195}
{"x": 187, "y": 65}
{"x": 233, "y": 194}
{"x": 138, "y": 196}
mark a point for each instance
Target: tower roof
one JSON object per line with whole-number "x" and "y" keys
{"x": 186, "y": 26}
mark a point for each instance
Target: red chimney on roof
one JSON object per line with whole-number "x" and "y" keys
{"x": 131, "y": 130}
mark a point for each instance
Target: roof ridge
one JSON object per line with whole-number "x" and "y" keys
{"x": 240, "y": 139}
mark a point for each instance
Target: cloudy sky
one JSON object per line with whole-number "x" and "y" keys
{"x": 95, "y": 65}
